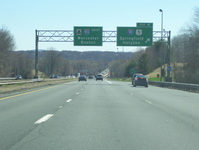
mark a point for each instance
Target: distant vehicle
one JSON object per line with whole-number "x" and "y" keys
{"x": 51, "y": 76}
{"x": 78, "y": 75}
{"x": 139, "y": 79}
{"x": 67, "y": 77}
{"x": 99, "y": 77}
{"x": 73, "y": 77}
{"x": 82, "y": 78}
{"x": 18, "y": 77}
{"x": 90, "y": 76}
{"x": 54, "y": 76}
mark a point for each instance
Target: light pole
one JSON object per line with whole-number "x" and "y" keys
{"x": 168, "y": 78}
{"x": 161, "y": 23}
{"x": 160, "y": 10}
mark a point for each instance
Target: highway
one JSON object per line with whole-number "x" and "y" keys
{"x": 99, "y": 115}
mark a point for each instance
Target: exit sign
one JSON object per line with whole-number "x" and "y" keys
{"x": 87, "y": 36}
{"x": 142, "y": 35}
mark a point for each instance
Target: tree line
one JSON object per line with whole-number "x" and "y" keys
{"x": 184, "y": 56}
{"x": 51, "y": 61}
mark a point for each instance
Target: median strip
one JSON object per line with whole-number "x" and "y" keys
{"x": 26, "y": 93}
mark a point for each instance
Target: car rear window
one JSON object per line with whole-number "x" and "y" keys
{"x": 141, "y": 76}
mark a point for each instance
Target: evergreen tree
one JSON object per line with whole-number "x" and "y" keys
{"x": 143, "y": 64}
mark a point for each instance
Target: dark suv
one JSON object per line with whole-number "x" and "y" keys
{"x": 99, "y": 77}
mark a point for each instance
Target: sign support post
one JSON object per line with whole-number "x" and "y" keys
{"x": 36, "y": 54}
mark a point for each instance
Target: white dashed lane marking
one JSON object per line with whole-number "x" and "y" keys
{"x": 148, "y": 101}
{"x": 109, "y": 82}
{"x": 44, "y": 118}
{"x": 48, "y": 116}
{"x": 69, "y": 100}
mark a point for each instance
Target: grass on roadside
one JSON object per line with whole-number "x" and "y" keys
{"x": 154, "y": 79}
{"x": 25, "y": 86}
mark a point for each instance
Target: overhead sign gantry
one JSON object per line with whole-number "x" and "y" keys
{"x": 141, "y": 35}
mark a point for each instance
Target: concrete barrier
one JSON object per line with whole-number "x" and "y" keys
{"x": 180, "y": 86}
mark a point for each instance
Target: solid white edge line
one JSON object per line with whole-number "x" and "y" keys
{"x": 69, "y": 100}
{"x": 44, "y": 118}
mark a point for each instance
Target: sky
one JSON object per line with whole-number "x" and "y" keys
{"x": 23, "y": 17}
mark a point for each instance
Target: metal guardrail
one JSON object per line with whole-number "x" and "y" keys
{"x": 9, "y": 78}
{"x": 180, "y": 86}
{"x": 21, "y": 81}
{"x": 10, "y": 82}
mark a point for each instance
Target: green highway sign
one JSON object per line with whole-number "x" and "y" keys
{"x": 132, "y": 71}
{"x": 87, "y": 36}
{"x": 135, "y": 36}
{"x": 149, "y": 25}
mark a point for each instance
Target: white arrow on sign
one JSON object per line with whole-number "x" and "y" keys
{"x": 147, "y": 40}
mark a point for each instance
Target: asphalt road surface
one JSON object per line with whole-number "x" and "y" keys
{"x": 99, "y": 115}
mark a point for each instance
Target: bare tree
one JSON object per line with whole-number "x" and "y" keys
{"x": 186, "y": 52}
{"x": 7, "y": 45}
{"x": 117, "y": 68}
{"x": 49, "y": 63}
{"x": 196, "y": 16}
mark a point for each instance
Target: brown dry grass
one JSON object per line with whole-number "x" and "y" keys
{"x": 157, "y": 71}
{"x": 154, "y": 73}
{"x": 5, "y": 89}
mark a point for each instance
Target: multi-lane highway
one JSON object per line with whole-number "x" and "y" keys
{"x": 99, "y": 115}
